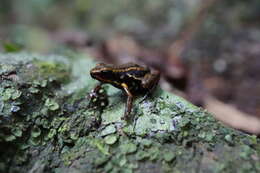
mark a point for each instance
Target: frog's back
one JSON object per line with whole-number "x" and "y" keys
{"x": 129, "y": 67}
{"x": 130, "y": 74}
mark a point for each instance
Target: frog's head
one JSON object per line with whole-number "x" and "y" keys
{"x": 101, "y": 72}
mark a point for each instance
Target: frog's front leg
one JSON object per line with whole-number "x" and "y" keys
{"x": 94, "y": 92}
{"x": 150, "y": 82}
{"x": 129, "y": 102}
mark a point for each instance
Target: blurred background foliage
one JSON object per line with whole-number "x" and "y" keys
{"x": 152, "y": 23}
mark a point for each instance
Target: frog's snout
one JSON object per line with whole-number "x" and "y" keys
{"x": 94, "y": 73}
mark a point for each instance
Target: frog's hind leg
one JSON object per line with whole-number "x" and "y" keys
{"x": 129, "y": 102}
{"x": 150, "y": 82}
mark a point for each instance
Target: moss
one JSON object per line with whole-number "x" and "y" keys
{"x": 47, "y": 116}
{"x": 51, "y": 71}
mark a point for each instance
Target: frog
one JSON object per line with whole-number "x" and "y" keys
{"x": 131, "y": 78}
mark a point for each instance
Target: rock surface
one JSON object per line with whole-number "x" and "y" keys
{"x": 49, "y": 124}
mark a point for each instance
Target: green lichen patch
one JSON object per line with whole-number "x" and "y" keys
{"x": 108, "y": 130}
{"x": 51, "y": 104}
{"x": 163, "y": 113}
{"x": 128, "y": 148}
{"x": 35, "y": 132}
{"x": 51, "y": 71}
{"x": 10, "y": 93}
{"x": 111, "y": 139}
{"x": 168, "y": 156}
{"x": 25, "y": 97}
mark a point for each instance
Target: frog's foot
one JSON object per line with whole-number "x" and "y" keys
{"x": 145, "y": 97}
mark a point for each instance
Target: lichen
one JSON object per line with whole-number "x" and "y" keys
{"x": 49, "y": 123}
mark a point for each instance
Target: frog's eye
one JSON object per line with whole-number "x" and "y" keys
{"x": 100, "y": 64}
{"x": 105, "y": 71}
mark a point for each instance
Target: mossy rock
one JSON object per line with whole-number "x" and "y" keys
{"x": 49, "y": 124}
